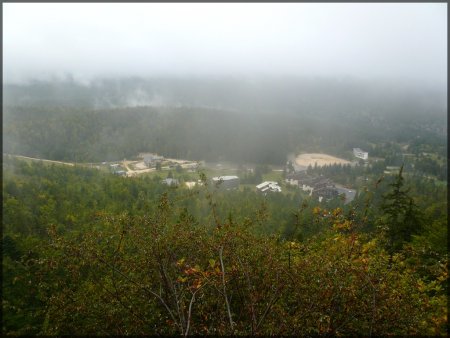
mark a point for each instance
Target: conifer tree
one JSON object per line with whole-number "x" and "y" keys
{"x": 401, "y": 215}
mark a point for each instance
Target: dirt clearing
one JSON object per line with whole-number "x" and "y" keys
{"x": 321, "y": 159}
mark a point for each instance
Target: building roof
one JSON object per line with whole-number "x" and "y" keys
{"x": 359, "y": 150}
{"x": 152, "y": 157}
{"x": 224, "y": 178}
{"x": 170, "y": 181}
{"x": 190, "y": 184}
{"x": 325, "y": 191}
{"x": 322, "y": 181}
{"x": 268, "y": 185}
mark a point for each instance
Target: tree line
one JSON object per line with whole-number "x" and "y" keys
{"x": 81, "y": 134}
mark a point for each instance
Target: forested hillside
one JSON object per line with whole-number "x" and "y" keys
{"x": 220, "y": 119}
{"x": 91, "y": 253}
{"x": 228, "y": 169}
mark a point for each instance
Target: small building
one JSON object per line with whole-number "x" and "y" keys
{"x": 226, "y": 182}
{"x": 309, "y": 183}
{"x": 120, "y": 173}
{"x": 328, "y": 192}
{"x": 170, "y": 182}
{"x": 360, "y": 154}
{"x": 321, "y": 182}
{"x": 191, "y": 166}
{"x": 392, "y": 170}
{"x": 114, "y": 167}
{"x": 268, "y": 187}
{"x": 150, "y": 160}
{"x": 190, "y": 185}
{"x": 296, "y": 177}
{"x": 317, "y": 186}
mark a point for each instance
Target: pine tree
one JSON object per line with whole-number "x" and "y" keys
{"x": 401, "y": 215}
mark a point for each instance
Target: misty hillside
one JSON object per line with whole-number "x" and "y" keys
{"x": 259, "y": 122}
{"x": 225, "y": 169}
{"x": 324, "y": 96}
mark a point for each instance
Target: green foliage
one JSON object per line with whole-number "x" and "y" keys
{"x": 150, "y": 275}
{"x": 401, "y": 215}
{"x": 86, "y": 252}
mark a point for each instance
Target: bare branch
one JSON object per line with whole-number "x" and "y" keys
{"x": 274, "y": 299}
{"x": 269, "y": 306}
{"x": 190, "y": 313}
{"x": 224, "y": 288}
{"x": 140, "y": 286}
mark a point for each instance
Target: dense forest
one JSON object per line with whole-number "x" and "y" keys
{"x": 213, "y": 120}
{"x": 86, "y": 252}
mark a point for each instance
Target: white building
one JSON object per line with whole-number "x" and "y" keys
{"x": 190, "y": 185}
{"x": 268, "y": 186}
{"x": 360, "y": 154}
{"x": 170, "y": 182}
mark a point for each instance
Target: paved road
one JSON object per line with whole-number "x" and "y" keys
{"x": 125, "y": 163}
{"x": 350, "y": 194}
{"x": 40, "y": 159}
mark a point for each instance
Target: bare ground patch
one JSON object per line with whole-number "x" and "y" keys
{"x": 321, "y": 159}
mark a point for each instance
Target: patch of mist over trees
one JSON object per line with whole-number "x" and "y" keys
{"x": 328, "y": 96}
{"x": 239, "y": 120}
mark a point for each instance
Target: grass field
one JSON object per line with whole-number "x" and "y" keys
{"x": 276, "y": 176}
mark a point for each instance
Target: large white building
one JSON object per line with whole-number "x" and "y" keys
{"x": 268, "y": 186}
{"x": 360, "y": 154}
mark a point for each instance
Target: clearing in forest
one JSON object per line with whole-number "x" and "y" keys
{"x": 321, "y": 159}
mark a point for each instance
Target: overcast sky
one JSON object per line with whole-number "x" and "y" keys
{"x": 407, "y": 41}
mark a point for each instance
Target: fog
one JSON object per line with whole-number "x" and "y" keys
{"x": 405, "y": 42}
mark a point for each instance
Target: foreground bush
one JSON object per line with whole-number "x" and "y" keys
{"x": 168, "y": 274}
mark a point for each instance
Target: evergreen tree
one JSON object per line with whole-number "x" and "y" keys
{"x": 401, "y": 215}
